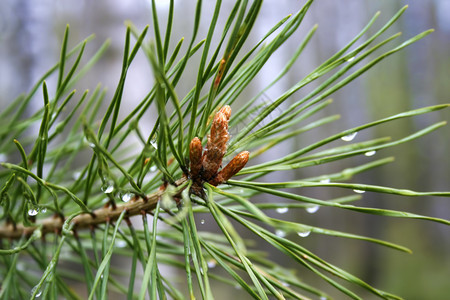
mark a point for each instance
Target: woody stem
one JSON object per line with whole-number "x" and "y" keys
{"x": 85, "y": 220}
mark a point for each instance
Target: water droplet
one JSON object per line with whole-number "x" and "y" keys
{"x": 349, "y": 137}
{"x": 202, "y": 221}
{"x": 121, "y": 243}
{"x": 238, "y": 287}
{"x": 285, "y": 283}
{"x": 351, "y": 59}
{"x": 359, "y": 191}
{"x": 3, "y": 157}
{"x": 282, "y": 210}
{"x": 38, "y": 294}
{"x": 323, "y": 298}
{"x": 33, "y": 212}
{"x": 304, "y": 233}
{"x": 44, "y": 210}
{"x": 153, "y": 168}
{"x": 280, "y": 233}
{"x": 127, "y": 197}
{"x": 370, "y": 153}
{"x": 312, "y": 209}
{"x": 326, "y": 180}
{"x": 211, "y": 263}
{"x": 107, "y": 188}
{"x": 89, "y": 143}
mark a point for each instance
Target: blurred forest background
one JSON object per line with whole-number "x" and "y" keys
{"x": 31, "y": 33}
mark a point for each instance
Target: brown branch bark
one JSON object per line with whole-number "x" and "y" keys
{"x": 85, "y": 220}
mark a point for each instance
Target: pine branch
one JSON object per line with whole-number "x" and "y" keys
{"x": 85, "y": 220}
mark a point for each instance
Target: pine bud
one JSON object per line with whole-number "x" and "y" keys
{"x": 226, "y": 110}
{"x": 217, "y": 143}
{"x": 233, "y": 167}
{"x": 195, "y": 157}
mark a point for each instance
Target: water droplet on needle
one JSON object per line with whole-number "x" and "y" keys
{"x": 349, "y": 137}
{"x": 304, "y": 233}
{"x": 107, "y": 188}
{"x": 312, "y": 209}
{"x": 370, "y": 153}
{"x": 33, "y": 212}
{"x": 127, "y": 197}
{"x": 282, "y": 210}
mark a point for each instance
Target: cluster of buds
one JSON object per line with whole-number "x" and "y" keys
{"x": 205, "y": 165}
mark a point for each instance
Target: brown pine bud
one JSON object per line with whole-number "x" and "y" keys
{"x": 219, "y": 127}
{"x": 233, "y": 167}
{"x": 226, "y": 110}
{"x": 195, "y": 157}
{"x": 217, "y": 144}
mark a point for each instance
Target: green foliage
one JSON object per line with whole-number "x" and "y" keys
{"x": 44, "y": 207}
